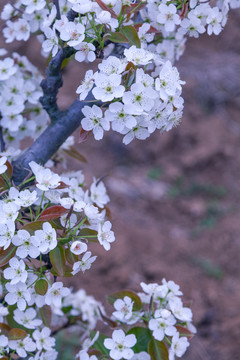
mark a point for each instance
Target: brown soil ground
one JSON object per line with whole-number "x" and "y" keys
{"x": 175, "y": 198}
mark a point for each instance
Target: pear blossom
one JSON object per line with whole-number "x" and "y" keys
{"x": 86, "y": 85}
{"x": 33, "y": 5}
{"x": 123, "y": 309}
{"x": 45, "y": 178}
{"x": 3, "y": 344}
{"x": 178, "y": 347}
{"x": 27, "y": 318}
{"x": 99, "y": 194}
{"x": 94, "y": 121}
{"x": 105, "y": 235}
{"x": 17, "y": 294}
{"x": 7, "y": 68}
{"x": 16, "y": 272}
{"x": 26, "y": 245}
{"x": 23, "y": 346}
{"x": 138, "y": 56}
{"x": 73, "y": 33}
{"x": 162, "y": 324}
{"x": 55, "y": 294}
{"x": 78, "y": 247}
{"x": 120, "y": 345}
{"x": 85, "y": 52}
{"x": 43, "y": 339}
{"x": 47, "y": 238}
{"x": 108, "y": 87}
{"x": 51, "y": 42}
{"x": 84, "y": 264}
{"x": 119, "y": 117}
{"x": 168, "y": 16}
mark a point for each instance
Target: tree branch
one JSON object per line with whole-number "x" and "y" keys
{"x": 45, "y": 146}
{"x": 53, "y": 82}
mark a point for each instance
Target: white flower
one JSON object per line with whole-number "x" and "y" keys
{"x": 6, "y": 234}
{"x": 214, "y": 20}
{"x": 17, "y": 294}
{"x": 7, "y": 68}
{"x": 178, "y": 347}
{"x": 83, "y": 355}
{"x": 162, "y": 324}
{"x": 143, "y": 355}
{"x": 173, "y": 287}
{"x": 118, "y": 115}
{"x": 55, "y": 293}
{"x": 168, "y": 16}
{"x": 138, "y": 56}
{"x": 94, "y": 121}
{"x": 33, "y": 5}
{"x": 45, "y": 178}
{"x": 124, "y": 309}
{"x": 27, "y": 318}
{"x": 108, "y": 87}
{"x": 22, "y": 346}
{"x": 86, "y": 85}
{"x": 168, "y": 81}
{"x": 51, "y": 43}
{"x": 155, "y": 290}
{"x": 112, "y": 65}
{"x": 180, "y": 312}
{"x": 27, "y": 245}
{"x": 47, "y": 238}
{"x": 3, "y": 167}
{"x": 120, "y": 345}
{"x": 86, "y": 52}
{"x": 43, "y": 339}
{"x": 99, "y": 194}
{"x": 73, "y": 33}
{"x": 84, "y": 264}
{"x": 78, "y": 247}
{"x": 26, "y": 198}
{"x": 82, "y": 6}
{"x": 16, "y": 272}
{"x": 105, "y": 235}
{"x": 3, "y": 343}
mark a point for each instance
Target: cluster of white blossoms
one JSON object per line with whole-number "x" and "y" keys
{"x": 139, "y": 92}
{"x": 155, "y": 318}
{"x": 45, "y": 232}
{"x": 21, "y": 113}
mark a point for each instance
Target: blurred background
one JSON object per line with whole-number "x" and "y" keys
{"x": 175, "y": 197}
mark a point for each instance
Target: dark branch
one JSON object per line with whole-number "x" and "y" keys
{"x": 49, "y": 141}
{"x": 2, "y": 143}
{"x": 53, "y": 82}
{"x": 56, "y": 3}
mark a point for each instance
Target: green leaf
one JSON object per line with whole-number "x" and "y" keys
{"x": 58, "y": 261}
{"x": 143, "y": 336}
{"x": 41, "y": 287}
{"x": 46, "y": 315}
{"x": 131, "y": 34}
{"x": 158, "y": 350}
{"x": 87, "y": 232}
{"x": 98, "y": 345}
{"x": 118, "y": 37}
{"x": 121, "y": 294}
{"x": 6, "y": 255}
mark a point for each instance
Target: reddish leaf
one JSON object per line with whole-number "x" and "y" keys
{"x": 83, "y": 135}
{"x": 4, "y": 358}
{"x": 58, "y": 260}
{"x": 41, "y": 287}
{"x": 184, "y": 331}
{"x": 17, "y": 334}
{"x": 131, "y": 34}
{"x": 76, "y": 155}
{"x": 37, "y": 225}
{"x": 157, "y": 350}
{"x": 46, "y": 315}
{"x": 3, "y": 184}
{"x": 6, "y": 255}
{"x": 106, "y": 8}
{"x": 121, "y": 294}
{"x": 133, "y": 8}
{"x": 4, "y": 329}
{"x": 9, "y": 170}
{"x": 62, "y": 185}
{"x": 52, "y": 213}
{"x": 107, "y": 320}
